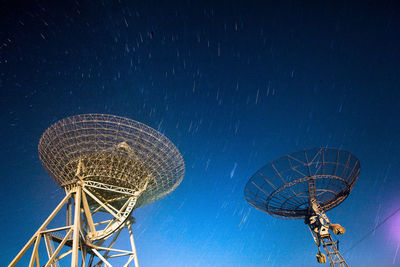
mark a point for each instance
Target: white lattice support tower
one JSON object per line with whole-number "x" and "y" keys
{"x": 80, "y": 244}
{"x": 108, "y": 165}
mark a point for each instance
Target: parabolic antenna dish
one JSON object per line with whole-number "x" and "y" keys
{"x": 111, "y": 150}
{"x": 284, "y": 187}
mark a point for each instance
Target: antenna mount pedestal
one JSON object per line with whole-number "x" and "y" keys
{"x": 87, "y": 240}
{"x": 320, "y": 225}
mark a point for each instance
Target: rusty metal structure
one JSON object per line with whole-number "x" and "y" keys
{"x": 304, "y": 185}
{"x": 108, "y": 166}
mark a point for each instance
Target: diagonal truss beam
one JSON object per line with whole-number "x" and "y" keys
{"x": 81, "y": 232}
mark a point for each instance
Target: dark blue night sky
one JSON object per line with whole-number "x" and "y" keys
{"x": 234, "y": 86}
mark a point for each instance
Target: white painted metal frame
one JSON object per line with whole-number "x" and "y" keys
{"x": 82, "y": 236}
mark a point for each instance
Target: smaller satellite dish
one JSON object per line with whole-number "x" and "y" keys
{"x": 304, "y": 185}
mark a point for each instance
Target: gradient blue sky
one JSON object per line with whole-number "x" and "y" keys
{"x": 234, "y": 86}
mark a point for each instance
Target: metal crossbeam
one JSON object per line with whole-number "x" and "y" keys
{"x": 111, "y": 188}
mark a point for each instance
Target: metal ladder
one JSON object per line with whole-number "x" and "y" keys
{"x": 331, "y": 250}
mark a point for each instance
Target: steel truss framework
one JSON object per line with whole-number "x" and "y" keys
{"x": 332, "y": 251}
{"x": 82, "y": 235}
{"x": 320, "y": 226}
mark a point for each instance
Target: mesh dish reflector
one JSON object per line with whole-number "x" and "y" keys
{"x": 112, "y": 150}
{"x": 284, "y": 187}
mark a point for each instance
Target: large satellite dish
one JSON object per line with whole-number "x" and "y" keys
{"x": 304, "y": 185}
{"x": 107, "y": 164}
{"x": 114, "y": 150}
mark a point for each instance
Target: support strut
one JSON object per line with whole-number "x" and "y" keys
{"x": 81, "y": 235}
